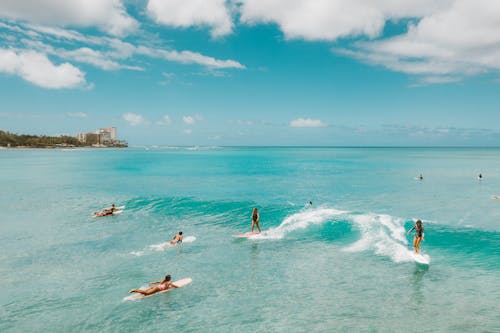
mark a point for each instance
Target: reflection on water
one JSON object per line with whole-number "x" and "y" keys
{"x": 417, "y": 282}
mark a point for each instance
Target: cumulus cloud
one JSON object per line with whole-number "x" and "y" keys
{"x": 76, "y": 114}
{"x": 307, "y": 122}
{"x": 133, "y": 119}
{"x": 332, "y": 19}
{"x": 166, "y": 120}
{"x": 444, "y": 41}
{"x": 36, "y": 68}
{"x": 190, "y": 120}
{"x": 108, "y": 15}
{"x": 458, "y": 40}
{"x": 187, "y": 13}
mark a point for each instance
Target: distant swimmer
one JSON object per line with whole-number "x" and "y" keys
{"x": 255, "y": 219}
{"x": 420, "y": 177}
{"x": 162, "y": 285}
{"x": 480, "y": 177}
{"x": 419, "y": 235}
{"x": 177, "y": 239}
{"x": 106, "y": 211}
{"x": 310, "y": 203}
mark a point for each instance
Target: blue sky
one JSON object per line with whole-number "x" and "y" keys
{"x": 254, "y": 72}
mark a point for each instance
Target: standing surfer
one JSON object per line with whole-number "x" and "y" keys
{"x": 419, "y": 235}
{"x": 255, "y": 219}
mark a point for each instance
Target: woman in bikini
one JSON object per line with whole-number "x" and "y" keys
{"x": 161, "y": 286}
{"x": 255, "y": 219}
{"x": 419, "y": 235}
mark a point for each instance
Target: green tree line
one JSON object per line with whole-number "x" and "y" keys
{"x": 15, "y": 140}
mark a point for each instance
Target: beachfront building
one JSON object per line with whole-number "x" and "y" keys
{"x": 104, "y": 137}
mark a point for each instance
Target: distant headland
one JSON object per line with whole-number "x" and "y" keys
{"x": 102, "y": 138}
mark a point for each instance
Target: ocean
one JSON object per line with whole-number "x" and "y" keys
{"x": 343, "y": 264}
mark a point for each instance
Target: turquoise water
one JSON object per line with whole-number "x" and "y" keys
{"x": 343, "y": 264}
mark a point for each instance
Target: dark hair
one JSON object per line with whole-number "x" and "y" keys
{"x": 180, "y": 232}
{"x": 419, "y": 223}
{"x": 168, "y": 277}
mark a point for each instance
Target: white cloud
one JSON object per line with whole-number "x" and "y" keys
{"x": 188, "y": 57}
{"x": 190, "y": 120}
{"x": 103, "y": 52}
{"x": 36, "y": 68}
{"x": 166, "y": 120}
{"x": 445, "y": 39}
{"x": 108, "y": 15}
{"x": 458, "y": 40}
{"x": 332, "y": 19}
{"x": 133, "y": 119}
{"x": 188, "y": 13}
{"x": 77, "y": 114}
{"x": 83, "y": 55}
{"x": 307, "y": 122}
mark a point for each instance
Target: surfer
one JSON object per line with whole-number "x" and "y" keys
{"x": 255, "y": 219}
{"x": 161, "y": 286}
{"x": 419, "y": 235}
{"x": 106, "y": 211}
{"x": 420, "y": 177}
{"x": 177, "y": 239}
{"x": 480, "y": 177}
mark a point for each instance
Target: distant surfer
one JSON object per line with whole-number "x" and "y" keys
{"x": 177, "y": 239}
{"x": 106, "y": 211}
{"x": 480, "y": 177}
{"x": 419, "y": 235}
{"x": 255, "y": 219}
{"x": 310, "y": 203}
{"x": 161, "y": 286}
{"x": 420, "y": 177}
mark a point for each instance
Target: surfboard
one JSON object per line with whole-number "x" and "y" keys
{"x": 495, "y": 197}
{"x": 246, "y": 235}
{"x": 180, "y": 283}
{"x": 116, "y": 212}
{"x": 423, "y": 259}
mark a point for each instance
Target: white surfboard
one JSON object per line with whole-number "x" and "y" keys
{"x": 423, "y": 259}
{"x": 495, "y": 197}
{"x": 179, "y": 283}
{"x": 246, "y": 235}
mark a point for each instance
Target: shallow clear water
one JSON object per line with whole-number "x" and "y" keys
{"x": 343, "y": 264}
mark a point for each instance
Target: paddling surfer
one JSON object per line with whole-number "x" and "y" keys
{"x": 177, "y": 239}
{"x": 162, "y": 285}
{"x": 106, "y": 211}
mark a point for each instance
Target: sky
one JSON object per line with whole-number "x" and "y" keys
{"x": 254, "y": 72}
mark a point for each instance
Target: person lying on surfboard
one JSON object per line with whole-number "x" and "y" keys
{"x": 161, "y": 286}
{"x": 177, "y": 239}
{"x": 419, "y": 235}
{"x": 106, "y": 211}
{"x": 255, "y": 219}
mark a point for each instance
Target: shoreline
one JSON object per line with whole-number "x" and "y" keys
{"x": 60, "y": 147}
